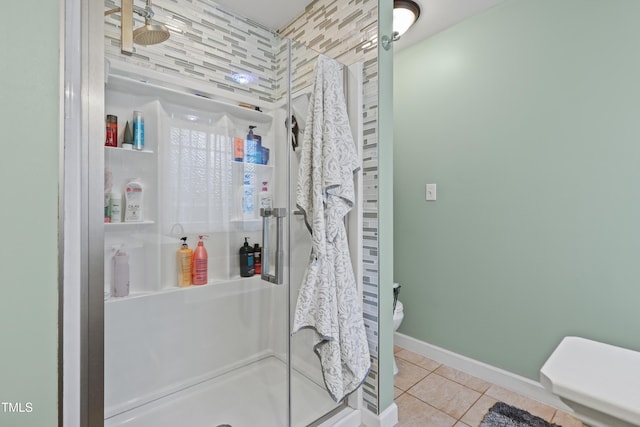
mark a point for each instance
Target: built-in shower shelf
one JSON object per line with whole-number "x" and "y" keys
{"x": 249, "y": 166}
{"x": 224, "y": 288}
{"x": 116, "y": 225}
{"x": 116, "y": 149}
{"x": 198, "y": 99}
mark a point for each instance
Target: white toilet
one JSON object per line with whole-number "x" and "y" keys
{"x": 600, "y": 382}
{"x": 398, "y": 315}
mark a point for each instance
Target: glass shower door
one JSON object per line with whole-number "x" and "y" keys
{"x": 220, "y": 353}
{"x": 310, "y": 400}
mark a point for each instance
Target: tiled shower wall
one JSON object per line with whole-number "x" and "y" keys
{"x": 207, "y": 44}
{"x": 370, "y": 225}
{"x": 347, "y": 35}
{"x": 347, "y": 31}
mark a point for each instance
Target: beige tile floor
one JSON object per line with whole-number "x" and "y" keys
{"x": 429, "y": 394}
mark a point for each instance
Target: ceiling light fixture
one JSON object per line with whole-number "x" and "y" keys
{"x": 243, "y": 78}
{"x": 405, "y": 14}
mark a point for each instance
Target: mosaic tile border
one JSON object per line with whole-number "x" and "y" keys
{"x": 370, "y": 226}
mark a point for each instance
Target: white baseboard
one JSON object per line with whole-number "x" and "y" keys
{"x": 497, "y": 376}
{"x": 388, "y": 417}
{"x": 348, "y": 417}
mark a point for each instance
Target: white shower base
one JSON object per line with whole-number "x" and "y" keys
{"x": 254, "y": 395}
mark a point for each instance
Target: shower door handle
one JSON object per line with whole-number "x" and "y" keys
{"x": 278, "y": 214}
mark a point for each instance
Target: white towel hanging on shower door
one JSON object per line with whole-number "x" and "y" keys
{"x": 328, "y": 301}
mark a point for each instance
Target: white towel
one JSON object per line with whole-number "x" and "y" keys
{"x": 328, "y": 301}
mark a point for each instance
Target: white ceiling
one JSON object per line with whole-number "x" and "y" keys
{"x": 435, "y": 15}
{"x": 273, "y": 14}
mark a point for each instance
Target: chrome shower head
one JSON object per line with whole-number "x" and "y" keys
{"x": 150, "y": 33}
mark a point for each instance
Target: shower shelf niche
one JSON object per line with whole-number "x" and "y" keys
{"x": 139, "y": 239}
{"x": 263, "y": 173}
{"x": 181, "y": 132}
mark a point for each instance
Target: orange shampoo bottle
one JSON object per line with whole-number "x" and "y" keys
{"x": 185, "y": 259}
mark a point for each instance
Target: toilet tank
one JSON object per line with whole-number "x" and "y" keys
{"x": 600, "y": 376}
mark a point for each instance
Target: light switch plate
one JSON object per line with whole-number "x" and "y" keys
{"x": 431, "y": 192}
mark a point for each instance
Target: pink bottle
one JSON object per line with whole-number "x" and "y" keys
{"x": 200, "y": 264}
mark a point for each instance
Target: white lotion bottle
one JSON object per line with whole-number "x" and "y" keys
{"x": 115, "y": 207}
{"x": 266, "y": 201}
{"x": 133, "y": 197}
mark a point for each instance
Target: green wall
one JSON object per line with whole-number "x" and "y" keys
{"x": 30, "y": 123}
{"x": 527, "y": 117}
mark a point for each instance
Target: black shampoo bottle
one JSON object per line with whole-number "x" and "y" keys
{"x": 247, "y": 268}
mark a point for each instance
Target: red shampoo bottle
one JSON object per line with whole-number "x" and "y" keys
{"x": 200, "y": 264}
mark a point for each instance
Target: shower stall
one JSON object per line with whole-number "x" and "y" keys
{"x": 219, "y": 354}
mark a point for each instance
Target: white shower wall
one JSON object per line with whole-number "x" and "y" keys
{"x": 165, "y": 342}
{"x": 161, "y": 339}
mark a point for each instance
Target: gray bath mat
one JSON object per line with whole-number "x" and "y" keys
{"x": 503, "y": 415}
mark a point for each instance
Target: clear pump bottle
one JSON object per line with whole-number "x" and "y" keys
{"x": 120, "y": 273}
